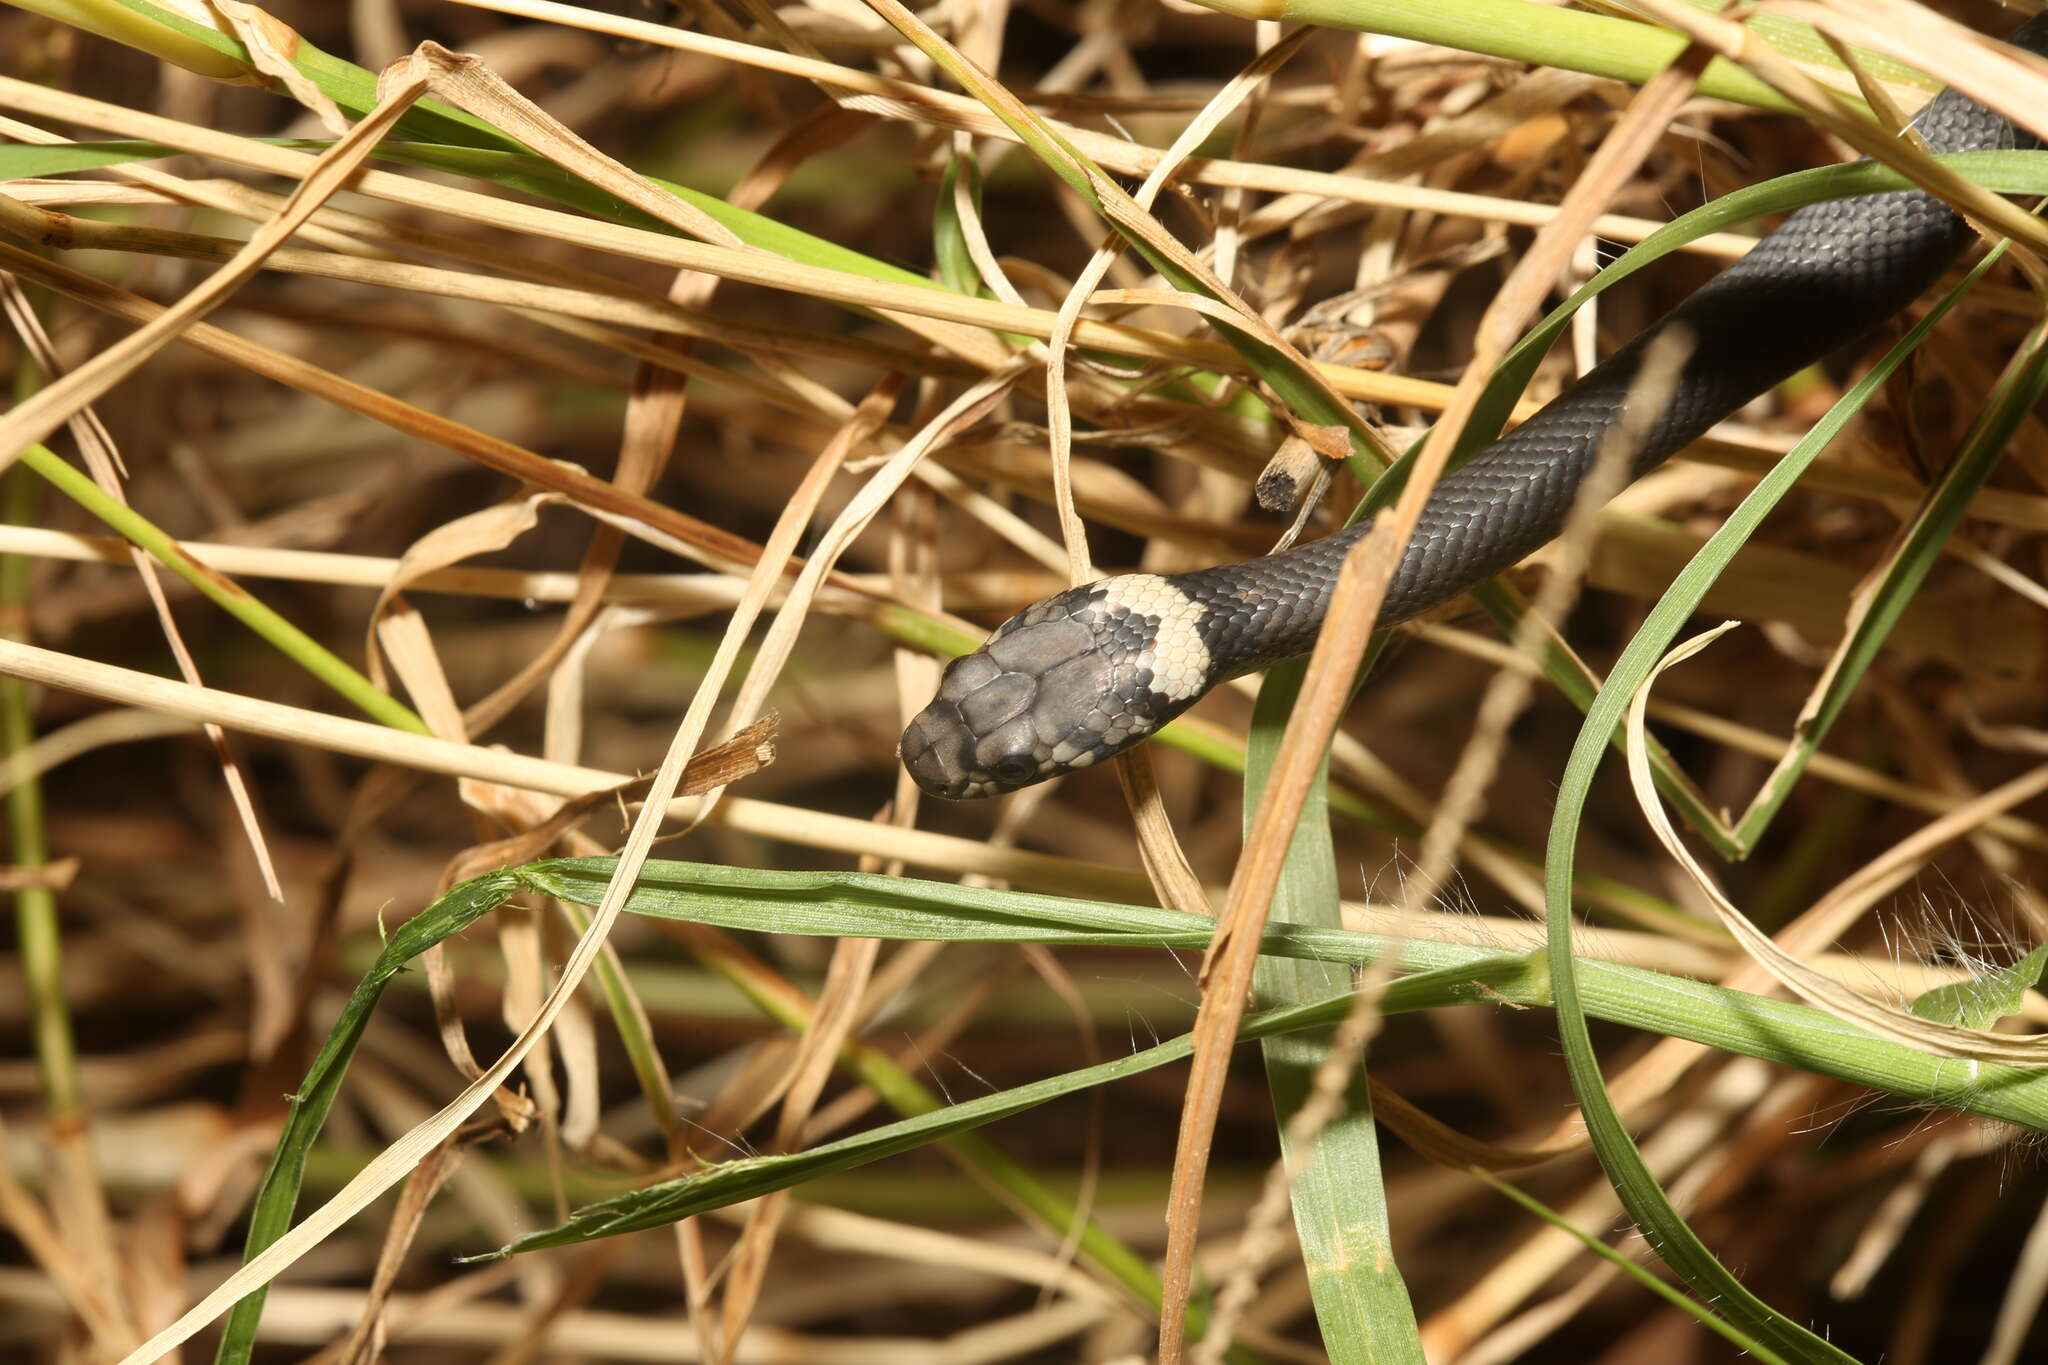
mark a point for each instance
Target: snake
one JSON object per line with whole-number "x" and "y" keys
{"x": 1089, "y": 672}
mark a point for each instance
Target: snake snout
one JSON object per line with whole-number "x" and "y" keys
{"x": 934, "y": 751}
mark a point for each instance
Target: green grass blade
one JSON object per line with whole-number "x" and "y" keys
{"x": 857, "y": 905}
{"x": 512, "y": 170}
{"x": 2017, "y": 394}
{"x": 301, "y": 648}
{"x": 535, "y": 175}
{"x": 1740, "y": 1340}
{"x": 278, "y": 1194}
{"x": 749, "y": 1178}
{"x": 957, "y": 269}
{"x": 174, "y": 38}
{"x": 1339, "y": 1195}
{"x": 23, "y": 160}
{"x": 1579, "y": 684}
{"x": 1799, "y": 42}
{"x": 1544, "y": 35}
{"x": 2008, "y": 172}
{"x": 38, "y": 921}
{"x": 1639, "y": 1192}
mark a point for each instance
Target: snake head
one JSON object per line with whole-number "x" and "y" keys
{"x": 1061, "y": 685}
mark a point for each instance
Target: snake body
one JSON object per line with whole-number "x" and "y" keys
{"x": 1084, "y": 674}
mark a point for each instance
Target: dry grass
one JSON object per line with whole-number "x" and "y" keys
{"x": 579, "y": 492}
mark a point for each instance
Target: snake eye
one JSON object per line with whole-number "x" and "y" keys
{"x": 1013, "y": 770}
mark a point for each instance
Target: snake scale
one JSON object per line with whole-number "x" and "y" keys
{"x": 1091, "y": 671}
